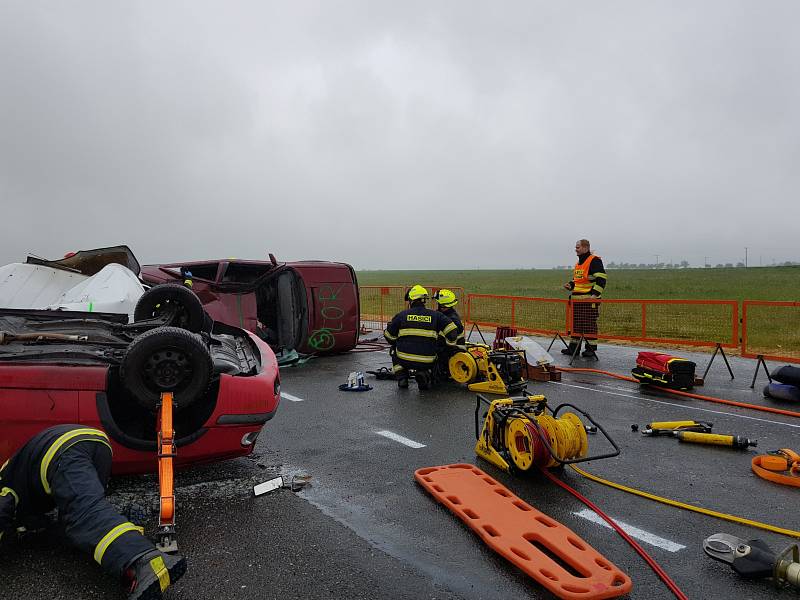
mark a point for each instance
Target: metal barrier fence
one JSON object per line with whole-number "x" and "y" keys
{"x": 529, "y": 315}
{"x": 768, "y": 329}
{"x": 380, "y": 303}
{"x": 680, "y": 322}
{"x": 771, "y": 330}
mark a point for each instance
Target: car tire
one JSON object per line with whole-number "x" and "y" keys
{"x": 166, "y": 359}
{"x": 176, "y": 304}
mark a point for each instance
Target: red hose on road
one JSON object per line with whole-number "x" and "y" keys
{"x": 673, "y": 587}
{"x": 770, "y": 409}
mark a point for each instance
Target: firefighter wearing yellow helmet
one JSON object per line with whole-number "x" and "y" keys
{"x": 447, "y": 301}
{"x": 414, "y": 335}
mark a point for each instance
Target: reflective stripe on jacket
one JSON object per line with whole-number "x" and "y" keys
{"x": 415, "y": 332}
{"x": 41, "y": 453}
{"x": 452, "y": 314}
{"x": 589, "y": 276}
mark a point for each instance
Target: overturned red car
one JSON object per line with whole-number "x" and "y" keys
{"x": 99, "y": 370}
{"x": 308, "y": 306}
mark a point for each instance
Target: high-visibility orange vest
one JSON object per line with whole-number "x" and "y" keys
{"x": 580, "y": 276}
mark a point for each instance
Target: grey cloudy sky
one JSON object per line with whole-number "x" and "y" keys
{"x": 450, "y": 134}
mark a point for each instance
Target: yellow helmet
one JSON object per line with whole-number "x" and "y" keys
{"x": 417, "y": 292}
{"x": 445, "y": 298}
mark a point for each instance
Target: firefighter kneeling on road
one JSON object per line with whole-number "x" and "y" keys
{"x": 447, "y": 301}
{"x": 68, "y": 467}
{"x": 414, "y": 335}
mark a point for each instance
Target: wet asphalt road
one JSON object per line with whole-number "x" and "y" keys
{"x": 365, "y": 529}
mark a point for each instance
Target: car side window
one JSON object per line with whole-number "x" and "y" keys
{"x": 207, "y": 271}
{"x": 244, "y": 272}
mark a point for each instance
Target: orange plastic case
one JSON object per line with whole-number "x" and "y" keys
{"x": 543, "y": 548}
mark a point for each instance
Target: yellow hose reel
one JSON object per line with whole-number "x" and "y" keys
{"x": 518, "y": 434}
{"x": 476, "y": 367}
{"x": 463, "y": 367}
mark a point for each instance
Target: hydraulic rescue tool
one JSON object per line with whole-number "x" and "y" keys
{"x": 753, "y": 559}
{"x": 698, "y": 432}
{"x": 486, "y": 370}
{"x": 165, "y": 535}
{"x": 520, "y": 434}
{"x": 714, "y": 439}
{"x": 672, "y": 427}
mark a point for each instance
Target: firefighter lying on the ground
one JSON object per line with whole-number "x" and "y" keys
{"x": 67, "y": 467}
{"x": 414, "y": 335}
{"x": 447, "y": 302}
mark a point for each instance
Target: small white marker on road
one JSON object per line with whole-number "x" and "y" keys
{"x": 399, "y": 438}
{"x": 268, "y": 486}
{"x": 291, "y": 398}
{"x": 634, "y": 532}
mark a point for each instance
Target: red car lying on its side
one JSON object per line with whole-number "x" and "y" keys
{"x": 308, "y": 306}
{"x": 97, "y": 370}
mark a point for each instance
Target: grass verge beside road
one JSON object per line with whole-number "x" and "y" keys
{"x": 755, "y": 283}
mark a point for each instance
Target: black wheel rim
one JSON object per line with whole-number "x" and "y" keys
{"x": 167, "y": 369}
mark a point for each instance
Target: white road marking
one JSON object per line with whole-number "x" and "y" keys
{"x": 399, "y": 438}
{"x": 684, "y": 406}
{"x": 291, "y": 398}
{"x": 619, "y": 388}
{"x": 634, "y": 532}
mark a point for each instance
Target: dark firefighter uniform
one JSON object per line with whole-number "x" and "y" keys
{"x": 588, "y": 282}
{"x": 445, "y": 351}
{"x": 452, "y": 314}
{"x": 68, "y": 467}
{"x": 414, "y": 333}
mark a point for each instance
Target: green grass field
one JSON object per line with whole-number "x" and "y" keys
{"x": 762, "y": 283}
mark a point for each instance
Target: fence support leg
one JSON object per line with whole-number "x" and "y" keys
{"x": 759, "y": 362}
{"x": 578, "y": 349}
{"x": 557, "y": 335}
{"x": 724, "y": 357}
{"x": 480, "y": 333}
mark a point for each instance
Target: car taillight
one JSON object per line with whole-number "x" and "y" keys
{"x": 248, "y": 439}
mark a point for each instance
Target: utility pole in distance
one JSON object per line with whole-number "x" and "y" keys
{"x": 745, "y": 257}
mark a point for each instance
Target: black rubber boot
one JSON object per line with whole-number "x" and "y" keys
{"x": 569, "y": 349}
{"x": 153, "y": 573}
{"x": 402, "y": 381}
{"x": 424, "y": 380}
{"x": 589, "y": 351}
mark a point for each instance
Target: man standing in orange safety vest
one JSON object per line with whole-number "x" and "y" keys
{"x": 588, "y": 282}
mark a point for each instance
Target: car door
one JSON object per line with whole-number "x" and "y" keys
{"x": 332, "y": 293}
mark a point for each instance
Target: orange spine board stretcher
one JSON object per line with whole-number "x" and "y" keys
{"x": 514, "y": 529}
{"x": 166, "y": 452}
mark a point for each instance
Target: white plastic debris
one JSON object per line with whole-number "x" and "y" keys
{"x": 534, "y": 353}
{"x": 114, "y": 289}
{"x": 268, "y": 486}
